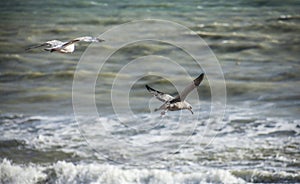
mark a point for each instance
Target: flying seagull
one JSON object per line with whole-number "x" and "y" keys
{"x": 64, "y": 47}
{"x": 178, "y": 102}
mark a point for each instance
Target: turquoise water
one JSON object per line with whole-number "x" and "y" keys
{"x": 257, "y": 140}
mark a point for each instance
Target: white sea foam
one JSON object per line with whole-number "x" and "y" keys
{"x": 65, "y": 172}
{"x": 13, "y": 174}
{"x": 221, "y": 161}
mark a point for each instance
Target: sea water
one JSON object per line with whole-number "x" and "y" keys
{"x": 256, "y": 140}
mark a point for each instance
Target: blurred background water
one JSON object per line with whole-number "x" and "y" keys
{"x": 256, "y": 43}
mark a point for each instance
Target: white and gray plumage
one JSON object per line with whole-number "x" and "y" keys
{"x": 178, "y": 102}
{"x": 65, "y": 47}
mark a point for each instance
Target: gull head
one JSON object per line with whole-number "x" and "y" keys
{"x": 189, "y": 107}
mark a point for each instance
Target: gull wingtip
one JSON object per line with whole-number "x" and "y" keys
{"x": 199, "y": 79}
{"x": 100, "y": 39}
{"x": 201, "y": 76}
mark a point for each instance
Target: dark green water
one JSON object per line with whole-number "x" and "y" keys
{"x": 255, "y": 42}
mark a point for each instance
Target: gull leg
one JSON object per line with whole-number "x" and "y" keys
{"x": 162, "y": 113}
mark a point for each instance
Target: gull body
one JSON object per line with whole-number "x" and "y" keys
{"x": 64, "y": 47}
{"x": 175, "y": 107}
{"x": 178, "y": 102}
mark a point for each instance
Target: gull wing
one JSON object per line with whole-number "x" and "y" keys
{"x": 160, "y": 95}
{"x": 188, "y": 89}
{"x": 37, "y": 46}
{"x": 51, "y": 43}
{"x": 84, "y": 39}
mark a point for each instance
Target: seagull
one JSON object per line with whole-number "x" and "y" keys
{"x": 178, "y": 102}
{"x": 64, "y": 47}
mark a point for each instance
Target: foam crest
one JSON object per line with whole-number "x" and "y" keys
{"x": 66, "y": 172}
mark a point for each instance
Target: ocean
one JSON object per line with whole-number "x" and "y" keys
{"x": 86, "y": 117}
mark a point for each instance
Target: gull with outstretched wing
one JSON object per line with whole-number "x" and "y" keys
{"x": 64, "y": 47}
{"x": 178, "y": 102}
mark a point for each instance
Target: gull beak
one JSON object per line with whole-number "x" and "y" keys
{"x": 191, "y": 111}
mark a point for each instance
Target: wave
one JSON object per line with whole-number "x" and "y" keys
{"x": 289, "y": 18}
{"x": 16, "y": 76}
{"x": 67, "y": 172}
{"x": 234, "y": 47}
{"x": 258, "y": 176}
{"x": 262, "y": 28}
{"x": 61, "y": 156}
{"x": 150, "y": 5}
{"x": 95, "y": 21}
